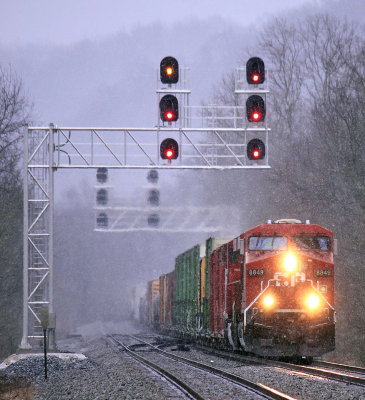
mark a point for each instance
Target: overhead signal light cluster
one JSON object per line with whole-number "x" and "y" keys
{"x": 102, "y": 197}
{"x": 255, "y": 106}
{"x": 169, "y": 106}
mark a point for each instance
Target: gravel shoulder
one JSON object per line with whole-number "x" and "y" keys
{"x": 103, "y": 375}
{"x": 107, "y": 375}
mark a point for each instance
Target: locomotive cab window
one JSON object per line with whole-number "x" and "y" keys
{"x": 267, "y": 243}
{"x": 311, "y": 242}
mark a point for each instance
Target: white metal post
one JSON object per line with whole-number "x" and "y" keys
{"x": 24, "y": 343}
{"x": 52, "y": 326}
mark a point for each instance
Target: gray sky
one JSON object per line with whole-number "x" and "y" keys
{"x": 67, "y": 21}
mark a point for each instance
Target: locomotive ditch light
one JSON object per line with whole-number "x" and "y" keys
{"x": 290, "y": 262}
{"x": 312, "y": 301}
{"x": 268, "y": 301}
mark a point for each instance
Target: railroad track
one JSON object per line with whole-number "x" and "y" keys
{"x": 341, "y": 367}
{"x": 319, "y": 368}
{"x": 256, "y": 387}
{"x": 175, "y": 381}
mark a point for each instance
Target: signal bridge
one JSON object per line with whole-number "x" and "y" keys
{"x": 185, "y": 137}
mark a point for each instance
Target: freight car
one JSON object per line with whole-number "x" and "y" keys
{"x": 152, "y": 304}
{"x": 137, "y": 303}
{"x": 269, "y": 291}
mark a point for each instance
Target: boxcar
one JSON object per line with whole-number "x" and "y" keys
{"x": 152, "y": 302}
{"x": 166, "y": 289}
{"x": 211, "y": 244}
{"x": 225, "y": 287}
{"x": 137, "y": 299}
{"x": 186, "y": 308}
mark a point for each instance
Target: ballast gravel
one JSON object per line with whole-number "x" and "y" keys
{"x": 290, "y": 383}
{"x": 104, "y": 375}
{"x": 108, "y": 375}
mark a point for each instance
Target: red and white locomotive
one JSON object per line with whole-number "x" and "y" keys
{"x": 269, "y": 291}
{"x": 272, "y": 290}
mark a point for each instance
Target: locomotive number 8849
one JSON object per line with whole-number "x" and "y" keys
{"x": 269, "y": 291}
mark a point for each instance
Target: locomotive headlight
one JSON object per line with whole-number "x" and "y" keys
{"x": 312, "y": 301}
{"x": 268, "y": 301}
{"x": 290, "y": 262}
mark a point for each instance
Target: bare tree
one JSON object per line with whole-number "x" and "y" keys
{"x": 317, "y": 146}
{"x": 14, "y": 112}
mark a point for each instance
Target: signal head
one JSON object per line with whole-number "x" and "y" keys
{"x": 255, "y": 149}
{"x": 169, "y": 149}
{"x": 169, "y": 108}
{"x": 255, "y": 71}
{"x": 154, "y": 197}
{"x": 153, "y": 220}
{"x": 152, "y": 176}
{"x": 102, "y": 220}
{"x": 102, "y": 197}
{"x": 255, "y": 108}
{"x": 169, "y": 70}
{"x": 102, "y": 175}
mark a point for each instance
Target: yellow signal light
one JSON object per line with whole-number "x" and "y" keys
{"x": 169, "y": 71}
{"x": 290, "y": 262}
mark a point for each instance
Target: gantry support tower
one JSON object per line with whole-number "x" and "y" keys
{"x": 38, "y": 235}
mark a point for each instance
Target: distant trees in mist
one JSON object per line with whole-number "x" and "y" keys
{"x": 14, "y": 111}
{"x": 317, "y": 148}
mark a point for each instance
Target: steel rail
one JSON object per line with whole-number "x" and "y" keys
{"x": 258, "y": 388}
{"x": 337, "y": 376}
{"x": 343, "y": 367}
{"x": 179, "y": 384}
{"x": 308, "y": 370}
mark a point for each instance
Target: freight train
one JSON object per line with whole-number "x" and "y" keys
{"x": 269, "y": 291}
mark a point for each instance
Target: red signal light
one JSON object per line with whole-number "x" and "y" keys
{"x": 169, "y": 108}
{"x": 255, "y": 149}
{"x": 255, "y": 108}
{"x": 169, "y": 149}
{"x": 255, "y": 71}
{"x": 256, "y": 116}
{"x": 169, "y": 154}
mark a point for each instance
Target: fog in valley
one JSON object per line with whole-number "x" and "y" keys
{"x": 106, "y": 76}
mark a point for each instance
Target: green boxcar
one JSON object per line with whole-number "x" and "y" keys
{"x": 211, "y": 244}
{"x": 186, "y": 309}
